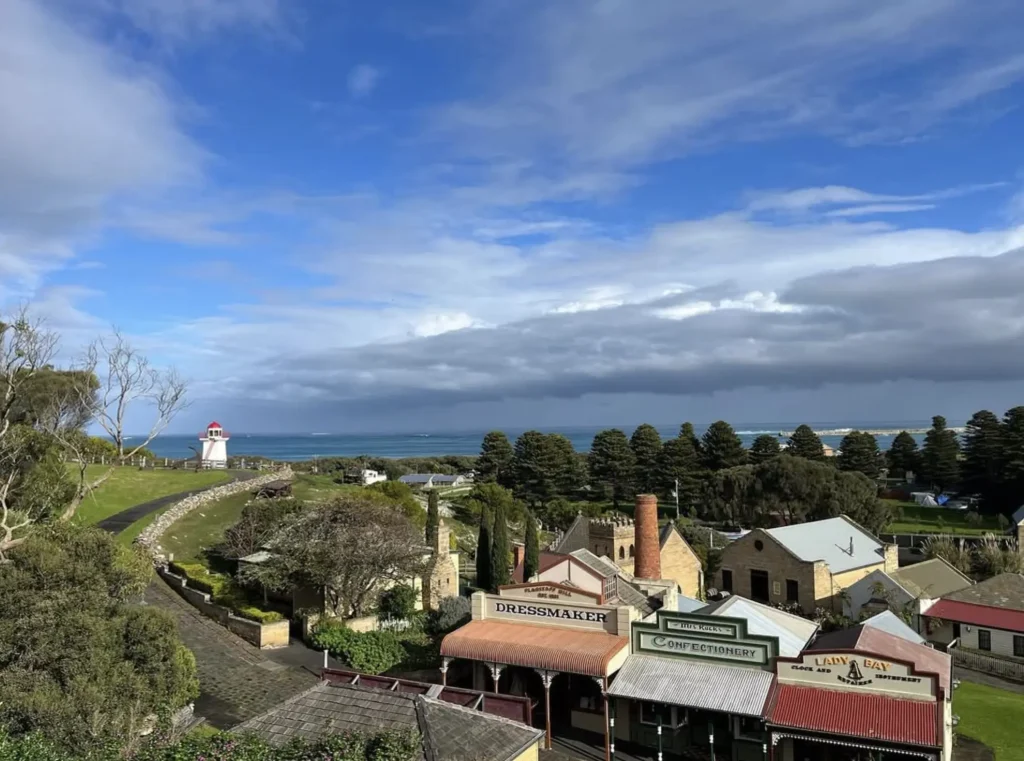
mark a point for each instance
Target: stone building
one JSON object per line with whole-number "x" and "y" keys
{"x": 807, "y": 564}
{"x": 441, "y": 577}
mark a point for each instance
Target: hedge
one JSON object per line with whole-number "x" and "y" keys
{"x": 224, "y": 591}
{"x": 367, "y": 652}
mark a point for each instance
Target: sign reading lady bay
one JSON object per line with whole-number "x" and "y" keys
{"x": 715, "y": 638}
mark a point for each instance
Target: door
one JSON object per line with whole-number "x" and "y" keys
{"x": 759, "y": 586}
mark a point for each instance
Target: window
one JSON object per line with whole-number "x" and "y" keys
{"x": 622, "y": 553}
{"x": 632, "y": 552}
{"x": 758, "y": 545}
{"x": 792, "y": 591}
{"x": 759, "y": 586}
{"x": 984, "y": 639}
{"x": 726, "y": 581}
{"x": 668, "y": 716}
{"x": 749, "y": 728}
{"x": 1018, "y": 646}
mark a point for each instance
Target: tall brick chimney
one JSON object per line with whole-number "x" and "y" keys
{"x": 648, "y": 549}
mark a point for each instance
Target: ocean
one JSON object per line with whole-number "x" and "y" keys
{"x": 295, "y": 447}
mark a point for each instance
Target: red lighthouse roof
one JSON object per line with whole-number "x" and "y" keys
{"x": 214, "y": 424}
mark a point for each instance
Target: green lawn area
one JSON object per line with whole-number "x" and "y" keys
{"x": 991, "y": 716}
{"x": 127, "y": 536}
{"x": 129, "y": 486}
{"x": 312, "y": 488}
{"x": 203, "y": 527}
{"x": 917, "y": 519}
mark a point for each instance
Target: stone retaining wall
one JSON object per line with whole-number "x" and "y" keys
{"x": 150, "y": 537}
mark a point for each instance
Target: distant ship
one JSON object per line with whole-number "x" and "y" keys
{"x": 319, "y": 434}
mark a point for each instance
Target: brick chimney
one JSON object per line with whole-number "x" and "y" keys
{"x": 648, "y": 549}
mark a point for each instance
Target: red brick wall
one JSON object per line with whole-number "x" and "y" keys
{"x": 648, "y": 551}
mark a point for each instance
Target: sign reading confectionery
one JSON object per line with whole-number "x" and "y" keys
{"x": 545, "y": 590}
{"x": 715, "y": 638}
{"x": 858, "y": 672}
{"x": 565, "y": 613}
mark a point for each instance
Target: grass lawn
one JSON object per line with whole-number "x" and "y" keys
{"x": 922, "y": 520}
{"x": 127, "y": 536}
{"x": 203, "y": 527}
{"x": 314, "y": 488}
{"x": 991, "y": 716}
{"x": 129, "y": 486}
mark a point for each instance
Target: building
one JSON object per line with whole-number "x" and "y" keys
{"x": 986, "y": 617}
{"x": 432, "y": 480}
{"x": 866, "y": 691}
{"x": 452, "y": 725}
{"x": 910, "y": 590}
{"x": 215, "y": 446}
{"x": 615, "y": 538}
{"x": 369, "y": 477}
{"x": 699, "y": 682}
{"x": 889, "y": 622}
{"x": 807, "y": 565}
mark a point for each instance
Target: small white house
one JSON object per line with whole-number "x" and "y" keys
{"x": 215, "y": 446}
{"x": 432, "y": 480}
{"x": 987, "y": 617}
{"x": 370, "y": 477}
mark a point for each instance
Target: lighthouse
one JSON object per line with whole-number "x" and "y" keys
{"x": 215, "y": 446}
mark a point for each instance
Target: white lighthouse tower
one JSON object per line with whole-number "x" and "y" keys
{"x": 215, "y": 446}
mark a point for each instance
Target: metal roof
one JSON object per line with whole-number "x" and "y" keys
{"x": 693, "y": 683}
{"x": 793, "y": 632}
{"x": 889, "y": 622}
{"x": 978, "y": 615}
{"x": 603, "y": 566}
{"x": 831, "y": 540}
{"x": 930, "y": 578}
{"x": 853, "y": 714}
{"x": 686, "y": 604}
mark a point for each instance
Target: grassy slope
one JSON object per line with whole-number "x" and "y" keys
{"x": 917, "y": 519}
{"x": 203, "y": 527}
{"x": 130, "y": 486}
{"x": 991, "y": 716}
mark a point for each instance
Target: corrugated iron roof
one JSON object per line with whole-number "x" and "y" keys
{"x": 532, "y": 646}
{"x": 978, "y": 615}
{"x": 856, "y": 714}
{"x": 601, "y": 565}
{"x": 888, "y": 621}
{"x": 793, "y": 632}
{"x": 930, "y": 578}
{"x": 830, "y": 540}
{"x": 693, "y": 683}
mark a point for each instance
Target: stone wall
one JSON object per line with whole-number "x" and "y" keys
{"x": 742, "y": 556}
{"x": 150, "y": 537}
{"x": 680, "y": 564}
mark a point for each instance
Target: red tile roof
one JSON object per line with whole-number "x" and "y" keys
{"x": 979, "y": 615}
{"x": 853, "y": 714}
{"x": 541, "y": 647}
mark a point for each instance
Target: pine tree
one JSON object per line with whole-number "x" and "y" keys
{"x": 433, "y": 518}
{"x": 501, "y": 549}
{"x": 686, "y": 432}
{"x": 495, "y": 460}
{"x": 903, "y": 456}
{"x": 721, "y": 448}
{"x": 805, "y": 443}
{"x": 983, "y": 457}
{"x": 646, "y": 446}
{"x": 483, "y": 549}
{"x": 939, "y": 457}
{"x": 680, "y": 465}
{"x": 531, "y": 549}
{"x": 612, "y": 464}
{"x": 765, "y": 447}
{"x": 858, "y": 452}
{"x": 1011, "y": 492}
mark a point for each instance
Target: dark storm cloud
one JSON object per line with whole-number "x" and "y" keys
{"x": 958, "y": 319}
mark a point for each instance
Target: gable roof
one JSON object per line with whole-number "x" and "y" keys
{"x": 447, "y": 732}
{"x": 931, "y": 578}
{"x": 603, "y": 566}
{"x": 831, "y": 540}
{"x": 1003, "y": 591}
{"x": 547, "y": 561}
{"x": 576, "y": 537}
{"x": 793, "y": 632}
{"x": 1018, "y": 516}
{"x": 888, "y": 621}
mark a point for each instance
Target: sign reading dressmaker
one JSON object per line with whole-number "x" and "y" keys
{"x": 858, "y": 673}
{"x": 574, "y": 615}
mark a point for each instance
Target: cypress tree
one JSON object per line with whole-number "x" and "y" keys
{"x": 903, "y": 456}
{"x": 983, "y": 457}
{"x": 646, "y": 446}
{"x": 531, "y": 550}
{"x": 1011, "y": 488}
{"x": 686, "y": 432}
{"x": 433, "y": 518}
{"x": 483, "y": 549}
{"x": 939, "y": 456}
{"x": 680, "y": 464}
{"x": 858, "y": 452}
{"x": 765, "y": 447}
{"x": 495, "y": 460}
{"x": 721, "y": 448}
{"x": 501, "y": 549}
{"x": 805, "y": 443}
{"x": 611, "y": 464}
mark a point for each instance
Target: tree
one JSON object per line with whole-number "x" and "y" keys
{"x": 495, "y": 461}
{"x": 903, "y": 456}
{"x": 433, "y": 518}
{"x": 483, "y": 548}
{"x": 347, "y": 548}
{"x": 398, "y": 603}
{"x": 81, "y": 662}
{"x": 544, "y": 467}
{"x": 681, "y": 469}
{"x": 983, "y": 457}
{"x": 1011, "y": 489}
{"x": 859, "y": 452}
{"x": 939, "y": 457}
{"x": 501, "y": 548}
{"x": 646, "y": 446}
{"x": 721, "y": 448}
{"x": 764, "y": 448}
{"x": 686, "y": 431}
{"x": 531, "y": 549}
{"x": 805, "y": 443}
{"x": 612, "y": 465}
{"x": 260, "y": 521}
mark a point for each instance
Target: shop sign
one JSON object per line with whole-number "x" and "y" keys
{"x": 740, "y": 651}
{"x": 702, "y": 627}
{"x": 548, "y": 591}
{"x": 575, "y": 615}
{"x": 857, "y": 672}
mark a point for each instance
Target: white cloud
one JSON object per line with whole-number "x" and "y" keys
{"x": 184, "y": 21}
{"x": 436, "y": 324}
{"x": 362, "y": 80}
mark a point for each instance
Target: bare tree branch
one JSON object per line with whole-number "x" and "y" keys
{"x": 25, "y": 348}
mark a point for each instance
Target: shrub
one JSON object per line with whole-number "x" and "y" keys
{"x": 451, "y": 613}
{"x": 257, "y": 615}
{"x": 1004, "y": 522}
{"x": 398, "y": 603}
{"x": 367, "y": 652}
{"x": 224, "y": 591}
{"x": 972, "y": 519}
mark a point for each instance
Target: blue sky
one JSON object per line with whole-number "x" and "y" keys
{"x": 391, "y": 216}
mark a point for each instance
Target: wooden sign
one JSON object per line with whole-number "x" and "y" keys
{"x": 859, "y": 673}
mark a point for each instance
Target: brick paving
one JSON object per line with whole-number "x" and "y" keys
{"x": 237, "y": 681}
